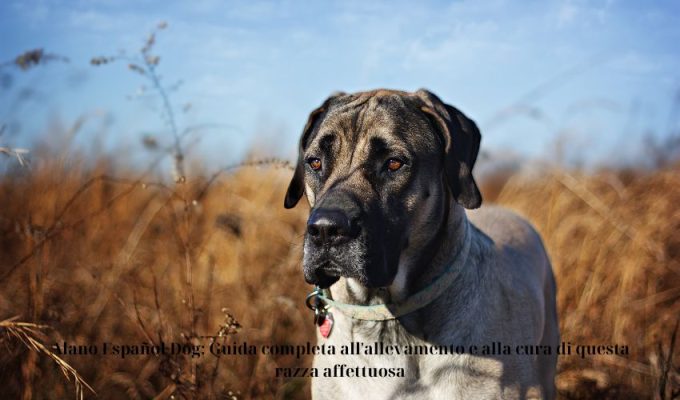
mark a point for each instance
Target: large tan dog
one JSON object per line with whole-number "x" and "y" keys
{"x": 428, "y": 300}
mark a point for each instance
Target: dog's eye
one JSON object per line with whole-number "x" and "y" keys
{"x": 394, "y": 164}
{"x": 314, "y": 163}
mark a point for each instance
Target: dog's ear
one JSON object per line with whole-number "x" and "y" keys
{"x": 461, "y": 138}
{"x": 296, "y": 188}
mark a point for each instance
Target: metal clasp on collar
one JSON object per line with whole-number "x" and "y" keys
{"x": 322, "y": 317}
{"x": 314, "y": 303}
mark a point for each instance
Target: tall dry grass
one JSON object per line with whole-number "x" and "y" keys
{"x": 103, "y": 259}
{"x": 614, "y": 239}
{"x": 125, "y": 261}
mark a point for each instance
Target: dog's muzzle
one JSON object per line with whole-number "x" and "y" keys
{"x": 329, "y": 230}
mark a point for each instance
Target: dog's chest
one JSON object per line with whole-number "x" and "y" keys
{"x": 374, "y": 361}
{"x": 424, "y": 377}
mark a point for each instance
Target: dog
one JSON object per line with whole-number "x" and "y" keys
{"x": 419, "y": 297}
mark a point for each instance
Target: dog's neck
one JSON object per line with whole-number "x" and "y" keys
{"x": 415, "y": 270}
{"x": 422, "y": 268}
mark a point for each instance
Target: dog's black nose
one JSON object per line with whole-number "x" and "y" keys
{"x": 330, "y": 226}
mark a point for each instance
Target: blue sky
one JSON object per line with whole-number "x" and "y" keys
{"x": 593, "y": 76}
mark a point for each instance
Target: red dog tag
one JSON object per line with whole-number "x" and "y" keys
{"x": 327, "y": 325}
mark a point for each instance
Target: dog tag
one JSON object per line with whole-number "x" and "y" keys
{"x": 326, "y": 325}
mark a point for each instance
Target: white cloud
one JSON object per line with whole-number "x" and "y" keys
{"x": 633, "y": 62}
{"x": 35, "y": 12}
{"x": 583, "y": 12}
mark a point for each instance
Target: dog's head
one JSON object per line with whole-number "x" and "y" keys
{"x": 379, "y": 169}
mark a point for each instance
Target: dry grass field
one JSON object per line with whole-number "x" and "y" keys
{"x": 92, "y": 254}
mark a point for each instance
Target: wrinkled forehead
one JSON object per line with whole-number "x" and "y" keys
{"x": 394, "y": 118}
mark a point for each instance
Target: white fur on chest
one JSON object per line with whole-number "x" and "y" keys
{"x": 429, "y": 376}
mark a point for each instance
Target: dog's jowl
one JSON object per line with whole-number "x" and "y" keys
{"x": 422, "y": 292}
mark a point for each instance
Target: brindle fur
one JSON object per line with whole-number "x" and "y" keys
{"x": 406, "y": 228}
